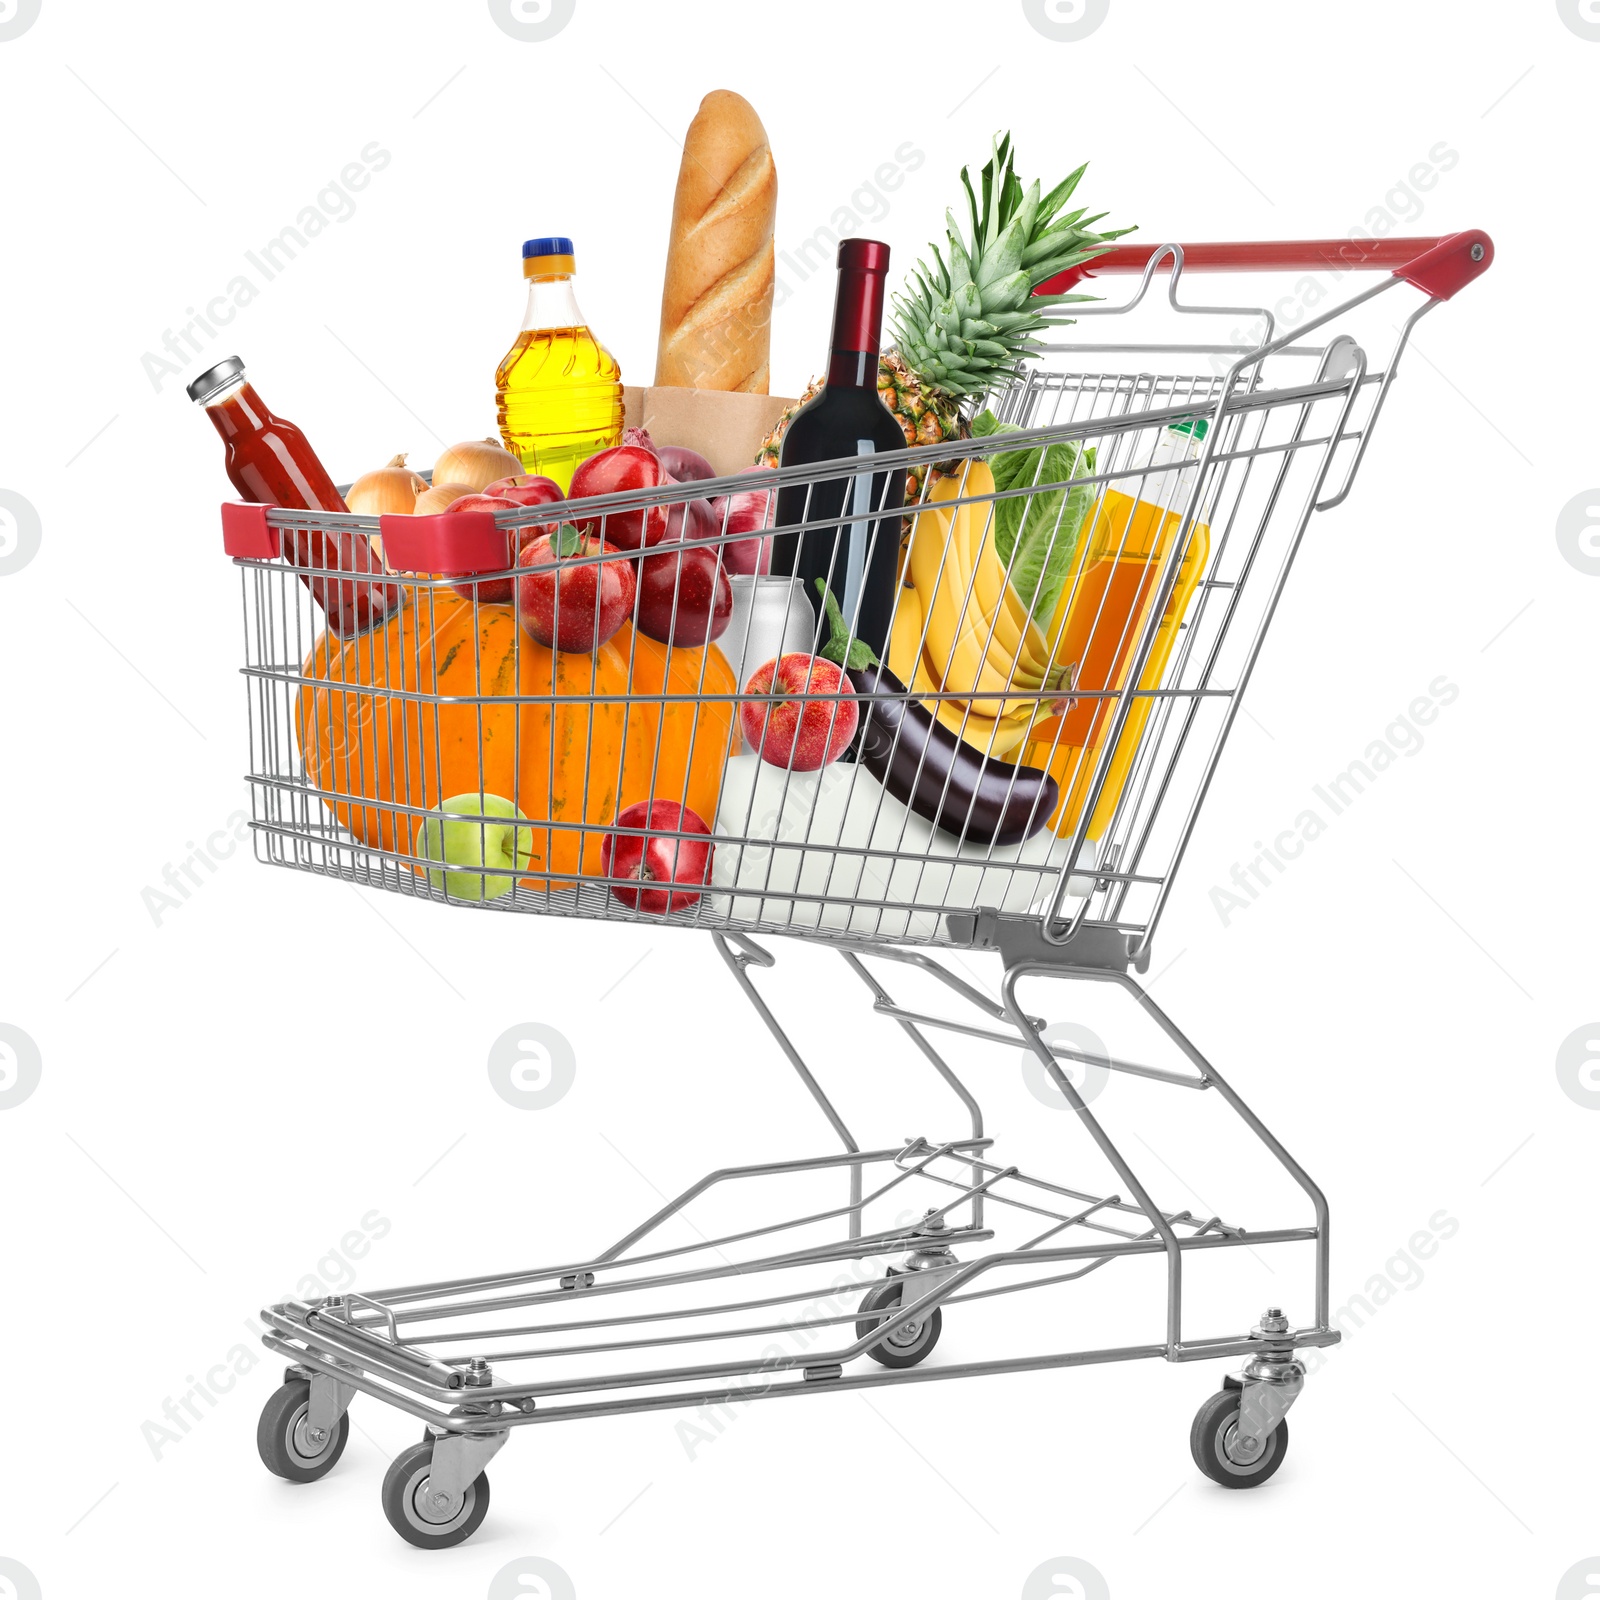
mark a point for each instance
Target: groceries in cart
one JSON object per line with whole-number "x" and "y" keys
{"x": 1123, "y": 550}
{"x": 454, "y": 697}
{"x": 558, "y": 667}
{"x": 830, "y": 838}
{"x": 856, "y": 560}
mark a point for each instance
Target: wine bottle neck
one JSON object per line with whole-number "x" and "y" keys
{"x": 853, "y": 369}
{"x": 858, "y": 315}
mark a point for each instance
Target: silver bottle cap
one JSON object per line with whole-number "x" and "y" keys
{"x": 215, "y": 379}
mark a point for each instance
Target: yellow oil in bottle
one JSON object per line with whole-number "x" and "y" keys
{"x": 558, "y": 390}
{"x": 1105, "y": 608}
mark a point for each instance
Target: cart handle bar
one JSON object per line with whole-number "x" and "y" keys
{"x": 1438, "y": 267}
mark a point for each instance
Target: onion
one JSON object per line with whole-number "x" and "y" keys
{"x": 685, "y": 465}
{"x": 393, "y": 488}
{"x": 477, "y": 463}
{"x": 440, "y": 497}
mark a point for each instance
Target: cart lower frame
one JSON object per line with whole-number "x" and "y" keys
{"x": 454, "y": 1380}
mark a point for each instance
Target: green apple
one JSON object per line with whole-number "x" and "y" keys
{"x": 445, "y": 835}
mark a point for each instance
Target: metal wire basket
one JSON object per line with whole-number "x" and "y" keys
{"x": 390, "y": 718}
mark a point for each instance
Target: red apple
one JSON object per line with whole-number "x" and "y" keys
{"x": 748, "y": 512}
{"x": 527, "y": 489}
{"x": 798, "y": 733}
{"x": 698, "y": 516}
{"x": 487, "y": 591}
{"x": 684, "y": 596}
{"x": 668, "y": 860}
{"x": 573, "y": 605}
{"x": 507, "y": 494}
{"x": 477, "y": 502}
{"x": 623, "y": 467}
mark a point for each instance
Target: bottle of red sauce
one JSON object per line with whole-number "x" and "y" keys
{"x": 270, "y": 462}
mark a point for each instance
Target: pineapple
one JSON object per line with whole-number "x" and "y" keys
{"x": 961, "y": 328}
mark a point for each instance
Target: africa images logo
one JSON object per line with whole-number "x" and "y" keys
{"x": 20, "y": 532}
{"x": 16, "y": 17}
{"x": 1066, "y": 21}
{"x": 1402, "y": 737}
{"x": 532, "y": 21}
{"x": 21, "y": 1066}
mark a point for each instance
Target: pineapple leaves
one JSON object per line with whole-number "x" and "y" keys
{"x": 1019, "y": 322}
{"x": 1009, "y": 293}
{"x": 1048, "y": 300}
{"x": 972, "y": 208}
{"x": 960, "y": 270}
{"x": 1004, "y": 259}
{"x": 1062, "y": 193}
{"x": 964, "y": 321}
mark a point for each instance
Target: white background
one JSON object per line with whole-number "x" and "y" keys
{"x": 227, "y": 1094}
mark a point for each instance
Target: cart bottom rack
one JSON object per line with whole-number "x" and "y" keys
{"x": 925, "y": 1226}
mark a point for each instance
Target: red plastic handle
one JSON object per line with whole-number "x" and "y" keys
{"x": 456, "y": 544}
{"x": 1438, "y": 267}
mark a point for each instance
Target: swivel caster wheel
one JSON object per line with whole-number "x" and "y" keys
{"x": 908, "y": 1344}
{"x": 428, "y": 1520}
{"x": 288, "y": 1445}
{"x": 1222, "y": 1455}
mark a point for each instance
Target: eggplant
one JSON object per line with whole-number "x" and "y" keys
{"x": 925, "y": 766}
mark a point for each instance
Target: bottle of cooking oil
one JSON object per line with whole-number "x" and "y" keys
{"x": 558, "y": 390}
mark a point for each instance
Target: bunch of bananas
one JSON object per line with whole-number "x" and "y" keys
{"x": 961, "y": 629}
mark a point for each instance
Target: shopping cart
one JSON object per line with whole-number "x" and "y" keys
{"x": 359, "y": 747}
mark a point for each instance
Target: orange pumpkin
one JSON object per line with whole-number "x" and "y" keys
{"x": 488, "y": 724}
{"x": 676, "y": 750}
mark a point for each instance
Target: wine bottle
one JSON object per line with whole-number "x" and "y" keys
{"x": 853, "y": 538}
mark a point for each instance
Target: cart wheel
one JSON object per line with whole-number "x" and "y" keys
{"x": 907, "y": 1345}
{"x": 1215, "y": 1425}
{"x": 409, "y": 1506}
{"x": 284, "y": 1441}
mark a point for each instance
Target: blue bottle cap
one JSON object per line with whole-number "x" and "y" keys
{"x": 553, "y": 246}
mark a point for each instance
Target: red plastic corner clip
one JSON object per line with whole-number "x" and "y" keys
{"x": 454, "y": 544}
{"x": 245, "y": 534}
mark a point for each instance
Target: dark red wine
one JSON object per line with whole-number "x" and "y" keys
{"x": 855, "y": 547}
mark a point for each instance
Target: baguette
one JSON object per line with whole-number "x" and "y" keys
{"x": 716, "y": 302}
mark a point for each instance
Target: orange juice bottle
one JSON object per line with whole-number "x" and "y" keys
{"x": 1103, "y": 611}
